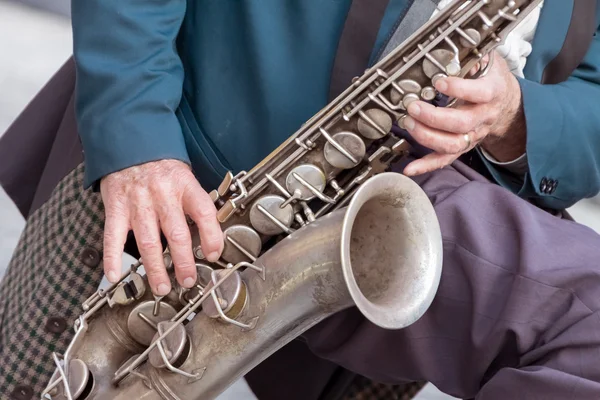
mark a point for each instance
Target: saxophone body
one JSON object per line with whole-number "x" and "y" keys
{"x": 316, "y": 227}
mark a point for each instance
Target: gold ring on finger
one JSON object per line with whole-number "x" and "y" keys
{"x": 467, "y": 139}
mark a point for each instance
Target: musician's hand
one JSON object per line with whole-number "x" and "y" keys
{"x": 149, "y": 198}
{"x": 489, "y": 109}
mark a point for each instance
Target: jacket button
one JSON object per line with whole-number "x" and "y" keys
{"x": 90, "y": 257}
{"x": 55, "y": 325}
{"x": 554, "y": 186}
{"x": 544, "y": 185}
{"x": 22, "y": 392}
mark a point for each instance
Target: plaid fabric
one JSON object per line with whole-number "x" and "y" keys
{"x": 47, "y": 278}
{"x": 366, "y": 389}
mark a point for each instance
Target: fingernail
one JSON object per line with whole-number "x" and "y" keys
{"x": 408, "y": 171}
{"x": 414, "y": 109}
{"x": 162, "y": 289}
{"x": 212, "y": 257}
{"x": 409, "y": 123}
{"x": 441, "y": 85}
{"x": 112, "y": 277}
{"x": 188, "y": 283}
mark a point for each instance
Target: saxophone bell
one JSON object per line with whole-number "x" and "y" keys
{"x": 391, "y": 251}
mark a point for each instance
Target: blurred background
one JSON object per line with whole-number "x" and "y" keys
{"x": 35, "y": 40}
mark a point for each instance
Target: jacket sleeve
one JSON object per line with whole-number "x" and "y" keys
{"x": 129, "y": 82}
{"x": 563, "y": 137}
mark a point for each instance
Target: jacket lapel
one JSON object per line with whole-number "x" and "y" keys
{"x": 563, "y": 35}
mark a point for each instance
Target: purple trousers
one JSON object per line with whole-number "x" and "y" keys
{"x": 516, "y": 315}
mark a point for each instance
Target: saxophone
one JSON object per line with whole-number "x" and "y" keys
{"x": 316, "y": 227}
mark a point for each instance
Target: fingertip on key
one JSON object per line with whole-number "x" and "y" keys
{"x": 441, "y": 85}
{"x": 112, "y": 276}
{"x": 162, "y": 289}
{"x": 212, "y": 257}
{"x": 188, "y": 282}
{"x": 414, "y": 109}
{"x": 409, "y": 123}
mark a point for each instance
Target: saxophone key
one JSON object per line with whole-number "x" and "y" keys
{"x": 439, "y": 60}
{"x": 80, "y": 381}
{"x": 142, "y": 322}
{"x": 269, "y": 218}
{"x": 410, "y": 98}
{"x": 470, "y": 38}
{"x": 401, "y": 121}
{"x": 231, "y": 295}
{"x": 402, "y": 89}
{"x": 127, "y": 292}
{"x": 351, "y": 143}
{"x": 242, "y": 243}
{"x": 428, "y": 93}
{"x": 374, "y": 123}
{"x": 175, "y": 346}
{"x": 198, "y": 252}
{"x": 307, "y": 179}
{"x": 226, "y": 211}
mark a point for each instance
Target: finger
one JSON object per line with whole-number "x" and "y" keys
{"x": 475, "y": 69}
{"x": 481, "y": 64}
{"x": 428, "y": 163}
{"x": 147, "y": 234}
{"x": 198, "y": 205}
{"x": 176, "y": 230}
{"x": 471, "y": 90}
{"x": 456, "y": 120}
{"x": 435, "y": 139}
{"x": 116, "y": 228}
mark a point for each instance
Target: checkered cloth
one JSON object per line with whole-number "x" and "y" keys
{"x": 362, "y": 388}
{"x": 51, "y": 273}
{"x": 54, "y": 269}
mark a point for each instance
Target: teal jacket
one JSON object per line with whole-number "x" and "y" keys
{"x": 220, "y": 83}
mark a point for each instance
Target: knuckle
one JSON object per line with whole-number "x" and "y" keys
{"x": 213, "y": 240}
{"x": 466, "y": 123}
{"x": 110, "y": 238}
{"x": 206, "y": 213}
{"x": 115, "y": 209}
{"x": 110, "y": 256}
{"x": 155, "y": 275}
{"x": 185, "y": 267}
{"x": 110, "y": 259}
{"x": 179, "y": 236}
{"x": 149, "y": 245}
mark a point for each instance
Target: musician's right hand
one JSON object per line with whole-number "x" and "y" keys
{"x": 154, "y": 197}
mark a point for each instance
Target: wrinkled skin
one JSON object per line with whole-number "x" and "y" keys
{"x": 154, "y": 197}
{"x": 489, "y": 110}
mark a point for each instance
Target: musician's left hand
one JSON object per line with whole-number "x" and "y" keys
{"x": 489, "y": 111}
